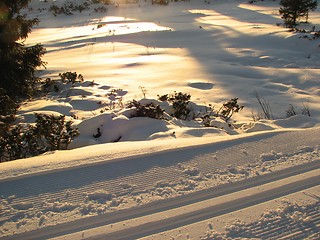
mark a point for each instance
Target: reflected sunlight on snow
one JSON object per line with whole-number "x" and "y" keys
{"x": 108, "y": 26}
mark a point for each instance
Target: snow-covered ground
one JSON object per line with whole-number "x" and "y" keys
{"x": 170, "y": 179}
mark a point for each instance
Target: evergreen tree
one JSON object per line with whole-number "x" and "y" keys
{"x": 311, "y": 5}
{"x": 293, "y": 10}
{"x": 17, "y": 62}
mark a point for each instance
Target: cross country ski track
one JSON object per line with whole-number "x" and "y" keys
{"x": 310, "y": 177}
{"x": 157, "y": 182}
{"x": 166, "y": 224}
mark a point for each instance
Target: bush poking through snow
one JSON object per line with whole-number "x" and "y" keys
{"x": 182, "y": 109}
{"x": 18, "y": 143}
{"x": 180, "y": 102}
{"x": 68, "y": 8}
{"x": 229, "y": 108}
{"x": 208, "y": 115}
{"x": 57, "y": 132}
{"x": 72, "y": 77}
{"x": 148, "y": 110}
{"x": 50, "y": 133}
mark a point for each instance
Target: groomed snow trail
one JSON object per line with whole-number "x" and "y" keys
{"x": 230, "y": 203}
{"x": 291, "y": 224}
{"x": 169, "y": 177}
{"x": 221, "y": 199}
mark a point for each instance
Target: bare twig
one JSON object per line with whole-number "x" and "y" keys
{"x": 265, "y": 106}
{"x": 306, "y": 109}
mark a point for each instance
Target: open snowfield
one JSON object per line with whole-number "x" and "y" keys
{"x": 147, "y": 178}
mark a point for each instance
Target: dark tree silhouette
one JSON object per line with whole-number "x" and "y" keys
{"x": 17, "y": 61}
{"x": 293, "y": 10}
{"x": 311, "y": 5}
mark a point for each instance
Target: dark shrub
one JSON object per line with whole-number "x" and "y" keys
{"x": 180, "y": 102}
{"x": 50, "y": 133}
{"x": 148, "y": 110}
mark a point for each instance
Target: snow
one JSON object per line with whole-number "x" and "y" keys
{"x": 213, "y": 51}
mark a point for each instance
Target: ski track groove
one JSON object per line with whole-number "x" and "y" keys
{"x": 187, "y": 218}
{"x": 314, "y": 165}
{"x": 284, "y": 228}
{"x": 66, "y": 186}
